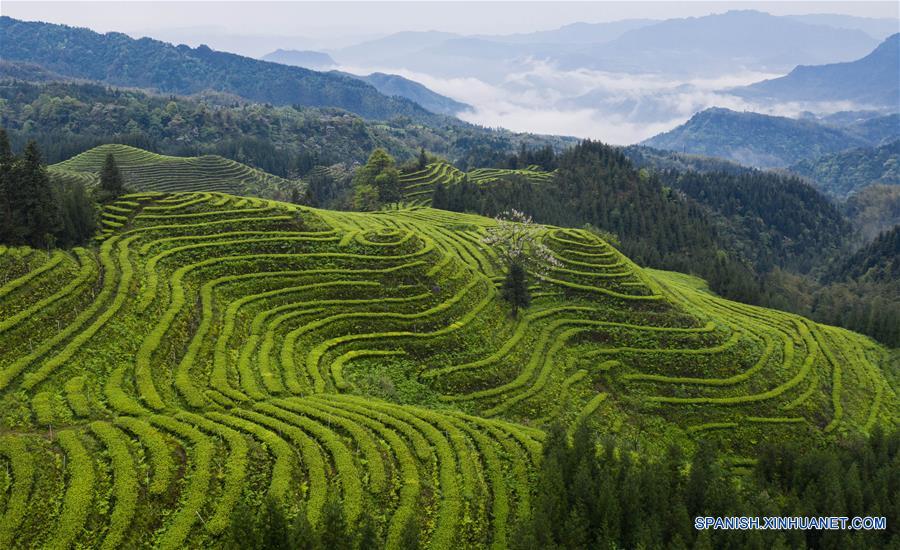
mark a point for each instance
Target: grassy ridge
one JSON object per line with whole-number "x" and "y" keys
{"x": 212, "y": 346}
{"x": 418, "y": 187}
{"x": 145, "y": 171}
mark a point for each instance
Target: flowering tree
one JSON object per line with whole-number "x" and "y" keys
{"x": 515, "y": 238}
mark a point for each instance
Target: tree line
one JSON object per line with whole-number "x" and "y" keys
{"x": 605, "y": 494}
{"x": 45, "y": 212}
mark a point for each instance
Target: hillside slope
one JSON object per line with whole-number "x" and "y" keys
{"x": 842, "y": 174}
{"x": 214, "y": 346}
{"x": 418, "y": 187}
{"x": 117, "y": 59}
{"x": 146, "y": 171}
{"x": 754, "y": 139}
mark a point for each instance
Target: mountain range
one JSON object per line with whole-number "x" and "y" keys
{"x": 760, "y": 140}
{"x": 872, "y": 81}
{"x": 719, "y": 43}
{"x": 388, "y": 84}
{"x": 117, "y": 59}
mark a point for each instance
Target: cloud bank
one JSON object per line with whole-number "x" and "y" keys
{"x": 616, "y": 108}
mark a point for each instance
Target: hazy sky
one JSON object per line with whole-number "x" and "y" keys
{"x": 330, "y": 24}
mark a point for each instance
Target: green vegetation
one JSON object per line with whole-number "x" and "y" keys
{"x": 621, "y": 498}
{"x": 143, "y": 171}
{"x": 84, "y": 54}
{"x": 359, "y": 374}
{"x": 68, "y": 118}
{"x": 37, "y": 211}
{"x": 842, "y": 174}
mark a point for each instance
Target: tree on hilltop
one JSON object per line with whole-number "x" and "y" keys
{"x": 515, "y": 240}
{"x": 423, "y": 159}
{"x": 380, "y": 173}
{"x": 111, "y": 183}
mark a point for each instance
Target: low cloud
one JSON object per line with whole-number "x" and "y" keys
{"x": 617, "y": 108}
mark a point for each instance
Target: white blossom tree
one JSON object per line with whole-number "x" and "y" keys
{"x": 515, "y": 239}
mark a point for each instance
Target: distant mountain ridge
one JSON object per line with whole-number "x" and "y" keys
{"x": 308, "y": 59}
{"x": 117, "y": 59}
{"x": 871, "y": 81}
{"x": 387, "y": 84}
{"x": 395, "y": 85}
{"x": 724, "y": 42}
{"x": 755, "y": 139}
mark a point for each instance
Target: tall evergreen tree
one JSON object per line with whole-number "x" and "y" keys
{"x": 111, "y": 182}
{"x": 423, "y": 159}
{"x": 32, "y": 198}
{"x": 6, "y": 167}
{"x": 273, "y": 525}
{"x": 515, "y": 288}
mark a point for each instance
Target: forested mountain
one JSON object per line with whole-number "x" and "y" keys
{"x": 755, "y": 139}
{"x": 68, "y": 118}
{"x": 658, "y": 159}
{"x": 117, "y": 59}
{"x": 842, "y": 174}
{"x": 870, "y": 81}
{"x": 387, "y": 84}
{"x": 874, "y": 209}
{"x": 878, "y": 261}
{"x": 768, "y": 219}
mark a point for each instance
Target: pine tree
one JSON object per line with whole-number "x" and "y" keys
{"x": 423, "y": 159}
{"x": 439, "y": 198}
{"x": 243, "y": 530}
{"x": 515, "y": 288}
{"x": 111, "y": 178}
{"x": 6, "y": 166}
{"x": 366, "y": 533}
{"x": 38, "y": 213}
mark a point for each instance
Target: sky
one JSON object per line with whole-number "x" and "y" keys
{"x": 335, "y": 24}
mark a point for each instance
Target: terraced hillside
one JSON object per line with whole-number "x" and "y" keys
{"x": 146, "y": 171}
{"x": 214, "y": 346}
{"x": 417, "y": 187}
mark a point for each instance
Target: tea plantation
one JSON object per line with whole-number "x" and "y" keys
{"x": 418, "y": 187}
{"x": 213, "y": 348}
{"x": 146, "y": 171}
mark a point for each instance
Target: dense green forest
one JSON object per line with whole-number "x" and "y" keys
{"x": 620, "y": 498}
{"x": 68, "y": 118}
{"x": 874, "y": 209}
{"x": 38, "y": 210}
{"x": 842, "y": 174}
